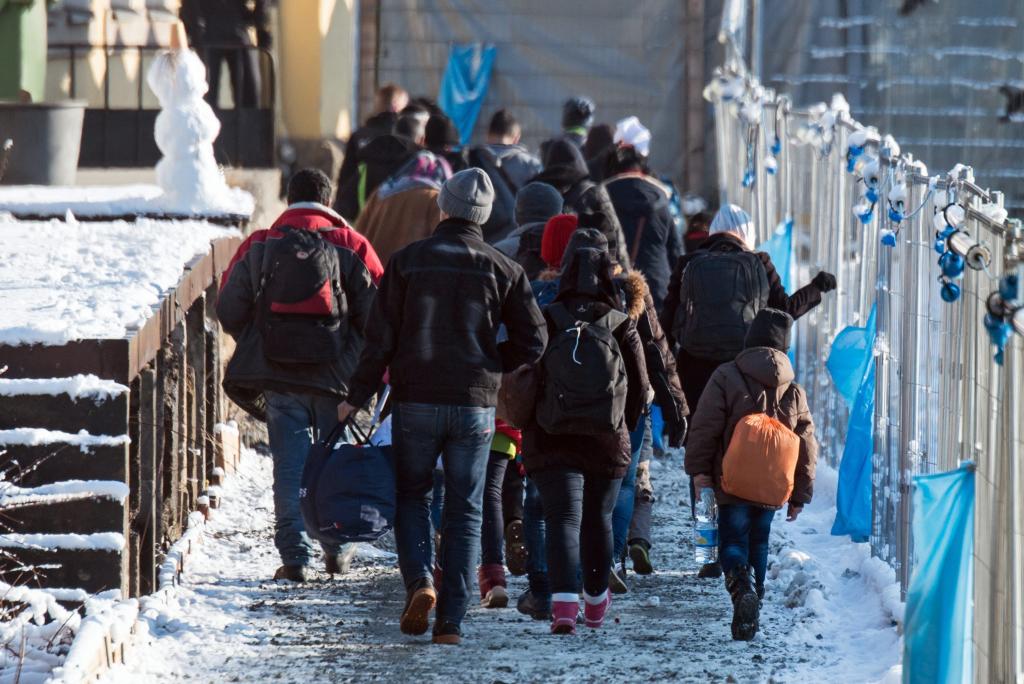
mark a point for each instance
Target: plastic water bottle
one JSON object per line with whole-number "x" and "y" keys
{"x": 705, "y": 528}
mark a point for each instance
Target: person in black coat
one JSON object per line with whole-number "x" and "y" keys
{"x": 219, "y": 32}
{"x": 390, "y": 100}
{"x": 642, "y": 205}
{"x": 567, "y": 172}
{"x": 732, "y": 231}
{"x": 435, "y": 325}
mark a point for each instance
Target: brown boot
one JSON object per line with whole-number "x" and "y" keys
{"x": 292, "y": 573}
{"x": 419, "y": 601}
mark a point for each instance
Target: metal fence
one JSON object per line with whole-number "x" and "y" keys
{"x": 940, "y": 397}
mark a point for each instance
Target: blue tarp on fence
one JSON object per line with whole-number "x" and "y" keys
{"x": 937, "y": 628}
{"x": 464, "y": 85}
{"x": 852, "y": 365}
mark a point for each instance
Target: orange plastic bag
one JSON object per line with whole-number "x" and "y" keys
{"x": 760, "y": 463}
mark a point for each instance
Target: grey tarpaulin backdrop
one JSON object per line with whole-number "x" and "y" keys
{"x": 627, "y": 56}
{"x": 931, "y": 78}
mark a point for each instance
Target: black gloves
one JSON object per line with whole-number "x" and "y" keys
{"x": 826, "y": 282}
{"x": 677, "y": 429}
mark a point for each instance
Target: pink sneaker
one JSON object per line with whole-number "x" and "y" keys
{"x": 564, "y": 616}
{"x": 595, "y": 608}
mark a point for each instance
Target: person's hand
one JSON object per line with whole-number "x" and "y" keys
{"x": 793, "y": 512}
{"x": 345, "y": 410}
{"x": 824, "y": 281}
{"x": 677, "y": 432}
{"x": 703, "y": 481}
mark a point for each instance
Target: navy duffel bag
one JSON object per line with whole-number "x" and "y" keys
{"x": 348, "y": 491}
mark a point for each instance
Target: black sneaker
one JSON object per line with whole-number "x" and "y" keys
{"x": 448, "y": 634}
{"x": 710, "y": 570}
{"x": 534, "y": 604}
{"x": 516, "y": 553}
{"x": 291, "y": 573}
{"x": 640, "y": 555}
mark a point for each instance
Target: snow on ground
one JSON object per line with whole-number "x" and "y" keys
{"x": 63, "y": 281}
{"x": 100, "y": 201}
{"x": 231, "y": 623}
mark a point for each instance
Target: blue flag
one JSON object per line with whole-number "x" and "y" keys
{"x": 853, "y": 494}
{"x": 464, "y": 85}
{"x": 848, "y": 360}
{"x": 938, "y": 626}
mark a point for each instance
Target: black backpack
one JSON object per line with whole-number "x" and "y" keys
{"x": 300, "y": 302}
{"x": 502, "y": 220}
{"x": 583, "y": 375}
{"x": 720, "y": 294}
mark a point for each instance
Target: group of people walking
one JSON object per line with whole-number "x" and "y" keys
{"x": 544, "y": 325}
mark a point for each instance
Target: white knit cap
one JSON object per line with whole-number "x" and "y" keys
{"x": 733, "y": 219}
{"x": 630, "y": 131}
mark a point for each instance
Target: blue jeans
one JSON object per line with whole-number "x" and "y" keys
{"x": 623, "y": 513}
{"x": 462, "y": 435}
{"x": 533, "y": 531}
{"x": 743, "y": 532}
{"x": 294, "y": 423}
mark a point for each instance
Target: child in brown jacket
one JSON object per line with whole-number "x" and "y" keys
{"x": 759, "y": 380}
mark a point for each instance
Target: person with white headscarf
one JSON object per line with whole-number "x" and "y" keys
{"x": 641, "y": 203}
{"x": 713, "y": 296}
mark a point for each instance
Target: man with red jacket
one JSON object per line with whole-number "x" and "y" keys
{"x": 295, "y": 298}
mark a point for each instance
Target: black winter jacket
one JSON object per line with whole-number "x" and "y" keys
{"x": 652, "y": 242}
{"x": 380, "y": 153}
{"x": 796, "y": 305}
{"x": 436, "y": 318}
{"x": 661, "y": 364}
{"x": 249, "y": 372}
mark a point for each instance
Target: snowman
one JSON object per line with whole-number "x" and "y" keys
{"x": 185, "y": 130}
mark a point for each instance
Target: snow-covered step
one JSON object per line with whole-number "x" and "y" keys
{"x": 86, "y": 561}
{"x": 36, "y": 456}
{"x": 73, "y": 507}
{"x": 70, "y": 404}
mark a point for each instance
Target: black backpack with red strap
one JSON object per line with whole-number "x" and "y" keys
{"x": 300, "y": 302}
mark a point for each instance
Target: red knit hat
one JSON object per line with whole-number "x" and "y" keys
{"x": 557, "y": 232}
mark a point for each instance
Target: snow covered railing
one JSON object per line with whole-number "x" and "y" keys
{"x": 110, "y": 396}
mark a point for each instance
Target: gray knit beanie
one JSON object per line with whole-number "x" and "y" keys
{"x": 467, "y": 195}
{"x": 536, "y": 202}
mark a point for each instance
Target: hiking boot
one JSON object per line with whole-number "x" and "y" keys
{"x": 710, "y": 570}
{"x": 493, "y": 591}
{"x": 420, "y": 599}
{"x": 516, "y": 553}
{"x": 615, "y": 582}
{"x": 745, "y": 604}
{"x": 292, "y": 573}
{"x": 639, "y": 554}
{"x": 448, "y": 634}
{"x": 534, "y": 604}
{"x": 563, "y": 616}
{"x": 595, "y": 608}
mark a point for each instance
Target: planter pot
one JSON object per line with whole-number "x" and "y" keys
{"x": 46, "y": 138}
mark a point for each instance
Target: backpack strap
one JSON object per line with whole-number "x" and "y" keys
{"x": 611, "y": 320}
{"x": 561, "y": 316}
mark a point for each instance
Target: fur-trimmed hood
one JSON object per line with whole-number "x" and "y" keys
{"x": 635, "y": 292}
